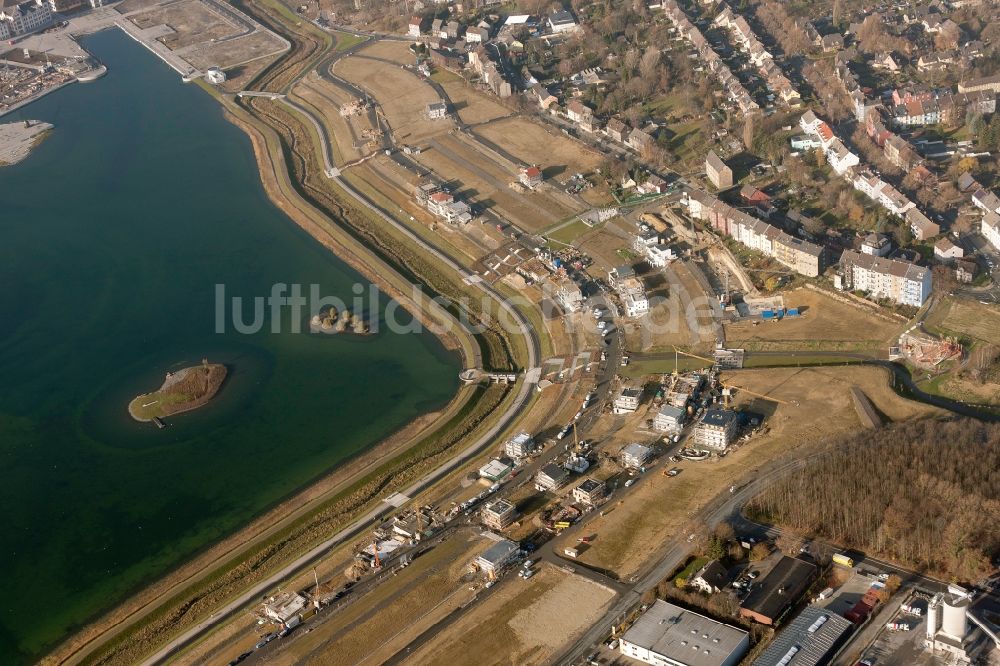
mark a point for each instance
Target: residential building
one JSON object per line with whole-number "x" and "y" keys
{"x": 988, "y": 83}
{"x": 717, "y": 429}
{"x": 839, "y": 157}
{"x": 891, "y": 279}
{"x": 832, "y": 42}
{"x": 551, "y": 477}
{"x": 520, "y": 445}
{"x": 617, "y": 130}
{"x": 635, "y": 455}
{"x": 666, "y": 634}
{"x": 659, "y": 256}
{"x": 945, "y": 250}
{"x": 437, "y": 110}
{"x": 495, "y": 470}
{"x": 719, "y": 174}
{"x": 773, "y": 594}
{"x": 813, "y": 638}
{"x": 627, "y": 401}
{"x": 965, "y": 270}
{"x": 530, "y": 177}
{"x": 802, "y": 256}
{"x": 569, "y": 295}
{"x": 669, "y": 419}
{"x": 920, "y": 225}
{"x": 562, "y": 21}
{"x": 876, "y": 245}
{"x": 635, "y": 301}
{"x": 23, "y": 18}
{"x": 577, "y": 110}
{"x": 986, "y": 200}
{"x": 415, "y": 26}
{"x": 710, "y": 579}
{"x": 545, "y": 98}
{"x": 590, "y": 492}
{"x": 498, "y": 515}
{"x": 498, "y": 557}
{"x": 990, "y": 228}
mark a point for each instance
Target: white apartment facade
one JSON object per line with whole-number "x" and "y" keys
{"x": 898, "y": 281}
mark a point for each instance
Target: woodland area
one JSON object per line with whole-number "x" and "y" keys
{"x": 925, "y": 494}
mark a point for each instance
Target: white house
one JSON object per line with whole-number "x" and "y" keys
{"x": 562, "y": 22}
{"x": 991, "y": 229}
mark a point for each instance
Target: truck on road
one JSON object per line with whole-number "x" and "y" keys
{"x": 843, "y": 560}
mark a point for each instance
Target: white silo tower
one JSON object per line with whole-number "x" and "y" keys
{"x": 955, "y": 621}
{"x": 933, "y": 617}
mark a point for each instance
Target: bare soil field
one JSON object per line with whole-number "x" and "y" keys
{"x": 963, "y": 317}
{"x": 471, "y": 105}
{"x": 661, "y": 507}
{"x": 479, "y": 179}
{"x": 403, "y": 96}
{"x": 602, "y": 244}
{"x": 234, "y": 52}
{"x": 239, "y": 76}
{"x": 391, "y": 50}
{"x": 521, "y": 623}
{"x": 825, "y": 323}
{"x": 345, "y": 131}
{"x": 532, "y": 143}
{"x": 193, "y": 22}
{"x": 127, "y": 6}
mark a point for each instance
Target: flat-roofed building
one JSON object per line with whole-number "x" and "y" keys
{"x": 635, "y": 455}
{"x": 498, "y": 557}
{"x": 495, "y": 470}
{"x": 669, "y": 419}
{"x": 551, "y": 477}
{"x": 520, "y": 445}
{"x": 771, "y": 596}
{"x": 499, "y": 514}
{"x": 627, "y": 401}
{"x": 716, "y": 429}
{"x": 668, "y": 634}
{"x": 811, "y": 639}
{"x": 590, "y": 492}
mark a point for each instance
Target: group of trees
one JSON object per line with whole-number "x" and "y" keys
{"x": 925, "y": 493}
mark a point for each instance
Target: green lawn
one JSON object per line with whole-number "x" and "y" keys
{"x": 346, "y": 40}
{"x": 691, "y": 569}
{"x": 569, "y": 233}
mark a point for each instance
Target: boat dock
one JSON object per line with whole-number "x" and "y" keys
{"x": 158, "y": 422}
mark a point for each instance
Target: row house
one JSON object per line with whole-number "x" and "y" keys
{"x": 837, "y": 154}
{"x": 983, "y": 84}
{"x": 883, "y": 278}
{"x": 734, "y": 89}
{"x": 946, "y": 108}
{"x": 799, "y": 255}
{"x": 991, "y": 229}
{"x": 748, "y": 42}
{"x": 582, "y": 115}
{"x": 986, "y": 200}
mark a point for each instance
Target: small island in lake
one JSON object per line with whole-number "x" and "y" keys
{"x": 182, "y": 391}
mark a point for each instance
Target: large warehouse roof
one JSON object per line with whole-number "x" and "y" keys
{"x": 811, "y": 639}
{"x": 686, "y": 637}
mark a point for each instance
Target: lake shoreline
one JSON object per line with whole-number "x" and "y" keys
{"x": 150, "y": 596}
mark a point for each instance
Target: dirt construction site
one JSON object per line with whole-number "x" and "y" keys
{"x": 203, "y": 33}
{"x": 660, "y": 507}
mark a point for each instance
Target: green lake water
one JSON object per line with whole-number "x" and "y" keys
{"x": 113, "y": 235}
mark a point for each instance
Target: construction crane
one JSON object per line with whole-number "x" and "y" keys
{"x": 700, "y": 358}
{"x": 732, "y": 387}
{"x": 378, "y": 562}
